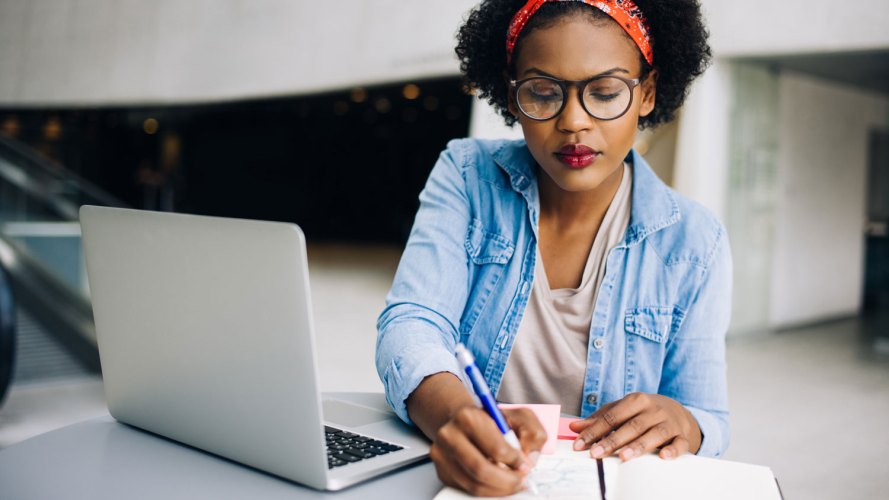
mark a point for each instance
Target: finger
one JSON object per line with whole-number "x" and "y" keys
{"x": 606, "y": 420}
{"x": 528, "y": 428}
{"x": 579, "y": 425}
{"x": 459, "y": 459}
{"x": 656, "y": 436}
{"x": 479, "y": 428}
{"x": 628, "y": 432}
{"x": 677, "y": 448}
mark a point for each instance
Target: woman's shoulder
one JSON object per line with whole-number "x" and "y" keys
{"x": 688, "y": 232}
{"x": 476, "y": 153}
{"x": 503, "y": 164}
{"x": 698, "y": 228}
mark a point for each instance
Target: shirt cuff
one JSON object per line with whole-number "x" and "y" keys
{"x": 714, "y": 436}
{"x": 407, "y": 370}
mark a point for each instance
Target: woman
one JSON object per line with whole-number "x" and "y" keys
{"x": 573, "y": 274}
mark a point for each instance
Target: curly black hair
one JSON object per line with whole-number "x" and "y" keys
{"x": 681, "y": 51}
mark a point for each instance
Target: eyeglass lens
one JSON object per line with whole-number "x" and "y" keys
{"x": 604, "y": 98}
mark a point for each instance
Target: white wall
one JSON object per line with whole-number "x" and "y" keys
{"x": 485, "y": 123}
{"x": 89, "y": 52}
{"x": 769, "y": 27}
{"x": 701, "y": 167}
{"x": 819, "y": 228}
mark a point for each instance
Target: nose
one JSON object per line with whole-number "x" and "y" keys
{"x": 574, "y": 117}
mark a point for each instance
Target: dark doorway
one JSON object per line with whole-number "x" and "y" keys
{"x": 876, "y": 280}
{"x": 345, "y": 165}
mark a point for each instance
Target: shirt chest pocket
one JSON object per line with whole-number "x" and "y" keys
{"x": 485, "y": 247}
{"x": 488, "y": 253}
{"x": 652, "y": 323}
{"x": 647, "y": 331}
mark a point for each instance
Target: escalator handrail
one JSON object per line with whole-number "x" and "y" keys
{"x": 7, "y": 333}
{"x": 48, "y": 169}
{"x": 65, "y": 312}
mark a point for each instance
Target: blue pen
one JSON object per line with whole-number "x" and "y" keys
{"x": 467, "y": 364}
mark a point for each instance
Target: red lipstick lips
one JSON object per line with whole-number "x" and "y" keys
{"x": 577, "y": 155}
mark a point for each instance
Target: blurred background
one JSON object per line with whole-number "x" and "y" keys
{"x": 332, "y": 114}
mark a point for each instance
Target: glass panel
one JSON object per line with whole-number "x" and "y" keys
{"x": 753, "y": 191}
{"x": 39, "y": 204}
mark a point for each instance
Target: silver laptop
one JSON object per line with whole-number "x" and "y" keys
{"x": 205, "y": 335}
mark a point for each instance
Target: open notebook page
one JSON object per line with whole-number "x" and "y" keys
{"x": 691, "y": 478}
{"x": 564, "y": 475}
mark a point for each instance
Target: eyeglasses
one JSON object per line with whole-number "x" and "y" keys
{"x": 603, "y": 97}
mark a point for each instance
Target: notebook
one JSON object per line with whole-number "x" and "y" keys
{"x": 566, "y": 474}
{"x": 569, "y": 475}
{"x": 205, "y": 335}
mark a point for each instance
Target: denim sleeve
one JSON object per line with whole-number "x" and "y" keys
{"x": 694, "y": 369}
{"x": 417, "y": 331}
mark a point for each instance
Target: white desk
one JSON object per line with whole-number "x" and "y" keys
{"x": 104, "y": 459}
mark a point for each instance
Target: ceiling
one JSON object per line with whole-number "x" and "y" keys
{"x": 863, "y": 69}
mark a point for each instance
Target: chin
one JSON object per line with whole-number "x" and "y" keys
{"x": 580, "y": 180}
{"x": 579, "y": 186}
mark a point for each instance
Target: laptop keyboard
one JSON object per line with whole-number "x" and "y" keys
{"x": 347, "y": 447}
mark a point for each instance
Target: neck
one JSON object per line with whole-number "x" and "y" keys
{"x": 568, "y": 209}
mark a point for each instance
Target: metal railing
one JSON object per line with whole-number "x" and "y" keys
{"x": 38, "y": 196}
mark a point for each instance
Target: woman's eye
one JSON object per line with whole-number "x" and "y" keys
{"x": 545, "y": 95}
{"x": 604, "y": 97}
{"x": 544, "y": 89}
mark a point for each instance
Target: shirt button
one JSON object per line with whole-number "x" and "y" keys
{"x": 599, "y": 343}
{"x": 525, "y": 287}
{"x": 591, "y": 399}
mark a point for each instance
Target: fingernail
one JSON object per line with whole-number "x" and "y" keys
{"x": 667, "y": 454}
{"x": 524, "y": 468}
{"x": 627, "y": 454}
{"x": 597, "y": 452}
{"x": 534, "y": 456}
{"x": 579, "y": 444}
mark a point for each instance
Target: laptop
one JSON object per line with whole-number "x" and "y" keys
{"x": 205, "y": 335}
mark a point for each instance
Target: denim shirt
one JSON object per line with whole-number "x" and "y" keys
{"x": 658, "y": 323}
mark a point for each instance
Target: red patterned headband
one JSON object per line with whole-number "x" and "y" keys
{"x": 625, "y": 12}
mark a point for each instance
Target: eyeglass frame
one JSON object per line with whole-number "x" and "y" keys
{"x": 632, "y": 83}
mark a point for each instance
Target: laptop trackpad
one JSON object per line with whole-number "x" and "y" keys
{"x": 351, "y": 415}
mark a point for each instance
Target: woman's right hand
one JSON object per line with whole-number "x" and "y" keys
{"x": 471, "y": 454}
{"x": 468, "y": 449}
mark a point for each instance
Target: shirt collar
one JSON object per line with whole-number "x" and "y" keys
{"x": 654, "y": 205}
{"x": 515, "y": 159}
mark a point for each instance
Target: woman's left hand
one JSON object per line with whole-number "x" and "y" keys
{"x": 638, "y": 424}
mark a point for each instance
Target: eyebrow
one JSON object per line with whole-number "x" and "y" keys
{"x": 616, "y": 69}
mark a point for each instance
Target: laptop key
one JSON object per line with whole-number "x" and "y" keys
{"x": 358, "y": 453}
{"x": 347, "y": 457}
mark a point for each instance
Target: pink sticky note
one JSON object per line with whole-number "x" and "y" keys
{"x": 549, "y": 418}
{"x": 565, "y": 432}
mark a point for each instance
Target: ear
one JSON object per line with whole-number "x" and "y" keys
{"x": 649, "y": 93}
{"x": 510, "y": 97}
